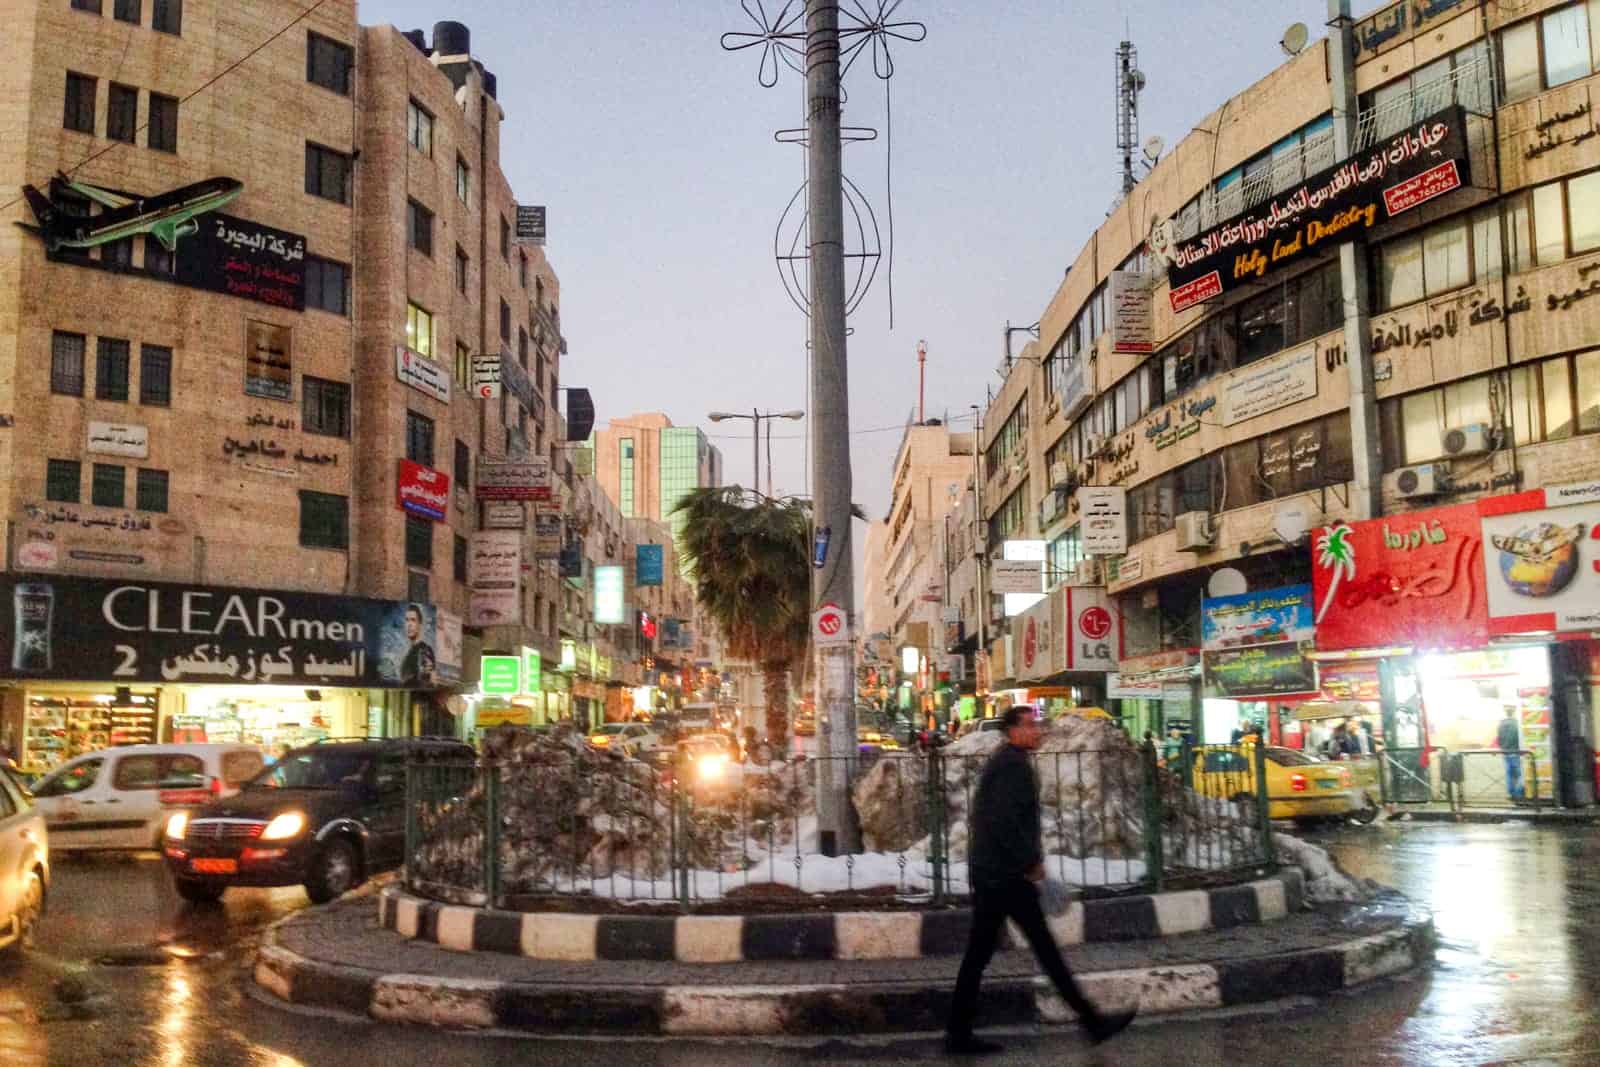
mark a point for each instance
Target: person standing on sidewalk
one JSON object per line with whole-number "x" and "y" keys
{"x": 1007, "y": 865}
{"x": 1509, "y": 737}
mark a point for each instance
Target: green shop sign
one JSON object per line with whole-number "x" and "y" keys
{"x": 532, "y": 670}
{"x": 1273, "y": 670}
{"x": 500, "y": 675}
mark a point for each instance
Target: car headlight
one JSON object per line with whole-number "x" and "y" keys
{"x": 288, "y": 824}
{"x": 710, "y": 767}
{"x": 177, "y": 825}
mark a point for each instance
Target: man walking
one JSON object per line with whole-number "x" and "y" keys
{"x": 1509, "y": 737}
{"x": 1007, "y": 865}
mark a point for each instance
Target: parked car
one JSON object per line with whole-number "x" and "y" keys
{"x": 24, "y": 863}
{"x": 120, "y": 798}
{"x": 1299, "y": 787}
{"x": 629, "y": 738}
{"x": 327, "y": 817}
{"x": 973, "y": 726}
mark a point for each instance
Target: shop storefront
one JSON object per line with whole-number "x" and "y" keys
{"x": 1157, "y": 693}
{"x": 92, "y": 663}
{"x": 1255, "y": 661}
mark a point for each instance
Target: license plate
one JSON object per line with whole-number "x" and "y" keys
{"x": 203, "y": 866}
{"x": 1327, "y": 783}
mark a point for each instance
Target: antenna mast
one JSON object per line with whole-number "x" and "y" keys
{"x": 922, "y": 378}
{"x": 1130, "y": 80}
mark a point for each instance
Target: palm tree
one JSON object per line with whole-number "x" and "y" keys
{"x": 1337, "y": 554}
{"x": 752, "y": 575}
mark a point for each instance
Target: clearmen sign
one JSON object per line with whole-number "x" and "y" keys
{"x": 1348, "y": 199}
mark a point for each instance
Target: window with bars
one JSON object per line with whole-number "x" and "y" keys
{"x": 122, "y": 113}
{"x": 327, "y": 286}
{"x": 107, "y": 487}
{"x": 66, "y": 363}
{"x": 329, "y": 63}
{"x": 324, "y": 520}
{"x": 325, "y": 406}
{"x": 155, "y": 375}
{"x": 150, "y": 490}
{"x": 79, "y": 110}
{"x": 419, "y": 542}
{"x": 419, "y": 439}
{"x": 63, "y": 480}
{"x": 111, "y": 369}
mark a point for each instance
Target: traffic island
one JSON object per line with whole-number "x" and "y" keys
{"x": 342, "y": 958}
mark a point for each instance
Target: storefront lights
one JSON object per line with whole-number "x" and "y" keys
{"x": 910, "y": 660}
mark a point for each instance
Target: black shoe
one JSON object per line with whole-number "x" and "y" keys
{"x": 1106, "y": 1025}
{"x": 971, "y": 1046}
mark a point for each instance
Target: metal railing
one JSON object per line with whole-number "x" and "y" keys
{"x": 564, "y": 822}
{"x": 1492, "y": 777}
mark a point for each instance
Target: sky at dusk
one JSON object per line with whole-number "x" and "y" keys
{"x": 653, "y": 149}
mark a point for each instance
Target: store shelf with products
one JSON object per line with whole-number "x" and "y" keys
{"x": 59, "y": 727}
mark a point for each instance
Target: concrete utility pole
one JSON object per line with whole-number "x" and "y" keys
{"x": 1367, "y": 497}
{"x": 833, "y": 581}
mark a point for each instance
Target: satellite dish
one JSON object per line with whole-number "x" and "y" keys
{"x": 1153, "y": 147}
{"x": 1292, "y": 521}
{"x": 1228, "y": 581}
{"x": 1295, "y": 38}
{"x": 1136, "y": 80}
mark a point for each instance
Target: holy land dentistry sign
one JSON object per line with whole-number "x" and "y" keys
{"x": 1338, "y": 204}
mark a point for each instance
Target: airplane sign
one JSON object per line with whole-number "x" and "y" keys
{"x": 167, "y": 217}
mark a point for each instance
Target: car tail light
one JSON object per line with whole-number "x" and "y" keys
{"x": 216, "y": 787}
{"x": 1297, "y": 782}
{"x": 1345, "y": 778}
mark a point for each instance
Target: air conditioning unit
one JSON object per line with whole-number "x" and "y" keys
{"x": 1471, "y": 440}
{"x": 1061, "y": 475}
{"x": 1195, "y": 531}
{"x": 1093, "y": 445}
{"x": 1427, "y": 479}
{"x": 1049, "y": 508}
{"x": 1088, "y": 572}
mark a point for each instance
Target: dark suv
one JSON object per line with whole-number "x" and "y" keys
{"x": 324, "y": 817}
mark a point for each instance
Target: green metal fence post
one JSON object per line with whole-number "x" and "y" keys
{"x": 680, "y": 819}
{"x": 1269, "y": 853}
{"x": 1150, "y": 787}
{"x": 491, "y": 834}
{"x": 413, "y": 831}
{"x": 936, "y": 824}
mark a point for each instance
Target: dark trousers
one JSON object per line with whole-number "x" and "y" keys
{"x": 991, "y": 907}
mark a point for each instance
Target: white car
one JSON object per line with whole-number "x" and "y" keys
{"x": 629, "y": 738}
{"x": 120, "y": 798}
{"x": 24, "y": 864}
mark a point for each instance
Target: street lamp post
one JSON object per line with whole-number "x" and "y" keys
{"x": 757, "y": 417}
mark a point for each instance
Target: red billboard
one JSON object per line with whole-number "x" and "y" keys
{"x": 1404, "y": 580}
{"x": 423, "y": 491}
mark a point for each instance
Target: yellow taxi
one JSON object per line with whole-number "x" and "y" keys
{"x": 1299, "y": 787}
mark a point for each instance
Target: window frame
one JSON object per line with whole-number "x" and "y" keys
{"x": 323, "y": 268}
{"x": 317, "y": 156}
{"x": 419, "y": 127}
{"x": 419, "y": 543}
{"x": 106, "y": 359}
{"x": 151, "y": 369}
{"x": 56, "y": 474}
{"x": 161, "y": 133}
{"x": 166, "y": 16}
{"x": 113, "y": 478}
{"x": 72, "y": 115}
{"x": 421, "y": 438}
{"x": 334, "y": 48}
{"x": 115, "y": 130}
{"x": 335, "y": 536}
{"x": 463, "y": 181}
{"x": 59, "y": 376}
{"x": 418, "y": 316}
{"x": 419, "y": 227}
{"x": 152, "y": 488}
{"x": 318, "y": 398}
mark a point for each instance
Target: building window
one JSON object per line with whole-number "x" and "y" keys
{"x": 167, "y": 16}
{"x": 91, "y": 6}
{"x": 1012, "y": 436}
{"x": 324, "y": 520}
{"x": 463, "y": 465}
{"x": 79, "y": 114}
{"x": 106, "y": 487}
{"x": 419, "y": 127}
{"x": 505, "y": 226}
{"x": 155, "y": 375}
{"x": 419, "y": 542}
{"x": 417, "y": 590}
{"x": 1541, "y": 53}
{"x": 122, "y": 113}
{"x": 63, "y": 480}
{"x": 505, "y": 323}
{"x": 522, "y": 270}
{"x": 157, "y": 260}
{"x": 1011, "y": 516}
{"x": 327, "y": 285}
{"x": 463, "y": 364}
{"x": 463, "y": 181}
{"x": 419, "y": 439}
{"x": 162, "y": 133}
{"x": 329, "y": 63}
{"x": 522, "y": 347}
{"x": 66, "y": 363}
{"x": 325, "y": 406}
{"x": 150, "y": 490}
{"x": 118, "y": 255}
{"x": 625, "y": 477}
{"x": 419, "y": 227}
{"x": 128, "y": 11}
{"x": 460, "y": 567}
{"x": 419, "y": 330}
{"x": 463, "y": 267}
{"x": 1311, "y": 456}
{"x": 111, "y": 369}
{"x": 327, "y": 173}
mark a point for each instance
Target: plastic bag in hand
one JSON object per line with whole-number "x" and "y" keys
{"x": 1054, "y": 896}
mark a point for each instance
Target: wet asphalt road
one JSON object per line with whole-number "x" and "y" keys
{"x": 1517, "y": 981}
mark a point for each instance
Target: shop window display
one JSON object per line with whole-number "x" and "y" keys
{"x": 62, "y": 726}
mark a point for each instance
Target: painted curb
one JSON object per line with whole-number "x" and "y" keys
{"x": 828, "y": 1009}
{"x": 870, "y": 935}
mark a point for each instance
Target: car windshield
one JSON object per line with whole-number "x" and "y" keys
{"x": 1288, "y": 757}
{"x": 612, "y": 728}
{"x": 314, "y": 769}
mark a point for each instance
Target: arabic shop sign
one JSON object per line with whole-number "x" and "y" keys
{"x": 99, "y": 630}
{"x": 423, "y": 491}
{"x": 500, "y": 675}
{"x": 241, "y": 258}
{"x": 1180, "y": 421}
{"x": 649, "y": 563}
{"x": 532, "y": 670}
{"x": 1405, "y": 580}
{"x": 422, "y": 374}
{"x": 1132, "y": 319}
{"x": 119, "y": 439}
{"x": 1333, "y": 206}
{"x": 1258, "y": 644}
{"x": 1376, "y": 31}
{"x": 609, "y": 595}
{"x": 1542, "y": 559}
{"x": 1274, "y": 670}
{"x": 1267, "y": 386}
{"x": 495, "y": 578}
{"x": 268, "y": 361}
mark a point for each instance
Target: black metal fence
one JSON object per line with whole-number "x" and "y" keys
{"x": 693, "y": 831}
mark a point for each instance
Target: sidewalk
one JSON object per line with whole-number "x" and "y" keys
{"x": 339, "y": 957}
{"x": 1546, "y": 816}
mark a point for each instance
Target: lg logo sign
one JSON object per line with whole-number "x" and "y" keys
{"x": 1094, "y": 624}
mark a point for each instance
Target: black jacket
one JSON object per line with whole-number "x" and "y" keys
{"x": 1005, "y": 820}
{"x": 1508, "y": 735}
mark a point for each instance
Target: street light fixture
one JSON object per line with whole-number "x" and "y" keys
{"x": 757, "y": 417}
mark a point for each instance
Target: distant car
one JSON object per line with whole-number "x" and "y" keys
{"x": 974, "y": 726}
{"x": 24, "y": 864}
{"x": 120, "y": 798}
{"x": 327, "y": 817}
{"x": 1299, "y": 787}
{"x": 629, "y": 738}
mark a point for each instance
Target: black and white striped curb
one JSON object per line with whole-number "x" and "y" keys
{"x": 870, "y": 935}
{"x": 823, "y": 1009}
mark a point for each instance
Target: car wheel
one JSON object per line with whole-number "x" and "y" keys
{"x": 30, "y": 908}
{"x": 199, "y": 892}
{"x": 1366, "y": 814}
{"x": 334, "y": 872}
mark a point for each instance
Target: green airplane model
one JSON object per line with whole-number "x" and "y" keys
{"x": 168, "y": 217}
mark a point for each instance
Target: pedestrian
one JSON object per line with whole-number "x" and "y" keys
{"x": 1007, "y": 866}
{"x": 1172, "y": 748}
{"x": 1364, "y": 737}
{"x": 1509, "y": 738}
{"x": 1333, "y": 748}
